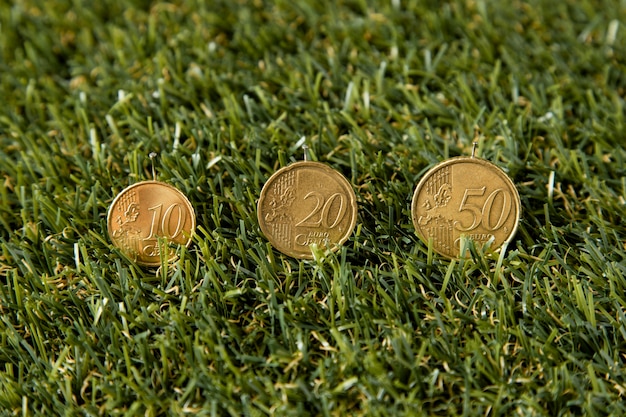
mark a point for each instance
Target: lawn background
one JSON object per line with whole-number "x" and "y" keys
{"x": 225, "y": 91}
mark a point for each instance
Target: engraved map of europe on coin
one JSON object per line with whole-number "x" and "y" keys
{"x": 145, "y": 212}
{"x": 306, "y": 203}
{"x": 469, "y": 197}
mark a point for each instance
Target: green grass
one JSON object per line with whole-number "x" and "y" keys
{"x": 382, "y": 90}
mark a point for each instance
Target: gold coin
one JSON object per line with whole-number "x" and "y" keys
{"x": 145, "y": 212}
{"x": 465, "y": 197}
{"x": 306, "y": 203}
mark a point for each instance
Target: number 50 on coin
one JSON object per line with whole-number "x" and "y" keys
{"x": 465, "y": 197}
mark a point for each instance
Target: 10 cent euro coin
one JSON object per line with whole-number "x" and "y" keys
{"x": 465, "y": 197}
{"x": 148, "y": 216}
{"x": 306, "y": 203}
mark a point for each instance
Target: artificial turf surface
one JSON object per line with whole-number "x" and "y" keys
{"x": 226, "y": 92}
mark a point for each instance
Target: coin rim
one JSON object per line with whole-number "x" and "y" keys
{"x": 301, "y": 164}
{"x": 160, "y": 183}
{"x": 480, "y": 161}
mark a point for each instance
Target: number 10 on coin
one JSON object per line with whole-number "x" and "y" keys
{"x": 145, "y": 212}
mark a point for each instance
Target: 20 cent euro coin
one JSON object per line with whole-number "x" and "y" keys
{"x": 306, "y": 203}
{"x": 145, "y": 213}
{"x": 465, "y": 197}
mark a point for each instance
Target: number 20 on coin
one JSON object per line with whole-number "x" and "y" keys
{"x": 306, "y": 203}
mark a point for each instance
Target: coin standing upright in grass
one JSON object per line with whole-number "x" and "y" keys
{"x": 146, "y": 212}
{"x": 307, "y": 203}
{"x": 465, "y": 197}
